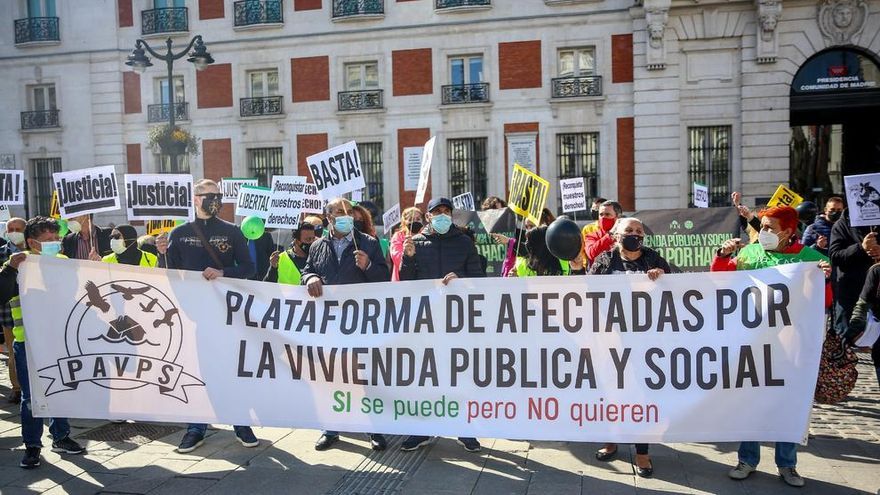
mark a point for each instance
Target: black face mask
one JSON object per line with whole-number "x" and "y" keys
{"x": 594, "y": 214}
{"x": 359, "y": 225}
{"x": 416, "y": 227}
{"x": 319, "y": 232}
{"x": 632, "y": 242}
{"x": 211, "y": 206}
{"x": 834, "y": 216}
{"x": 305, "y": 247}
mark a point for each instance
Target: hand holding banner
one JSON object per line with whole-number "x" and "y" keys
{"x": 84, "y": 191}
{"x": 528, "y": 194}
{"x": 337, "y": 171}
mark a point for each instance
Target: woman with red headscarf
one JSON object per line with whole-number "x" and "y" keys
{"x": 777, "y": 244}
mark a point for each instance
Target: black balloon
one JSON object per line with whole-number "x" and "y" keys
{"x": 564, "y": 239}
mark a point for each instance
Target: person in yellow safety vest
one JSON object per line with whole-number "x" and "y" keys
{"x": 124, "y": 243}
{"x": 286, "y": 267}
{"x": 41, "y": 236}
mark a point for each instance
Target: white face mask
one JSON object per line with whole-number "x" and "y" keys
{"x": 15, "y": 237}
{"x": 769, "y": 240}
{"x": 74, "y": 226}
{"x": 117, "y": 245}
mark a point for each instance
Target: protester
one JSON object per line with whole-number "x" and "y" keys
{"x": 319, "y": 224}
{"x": 777, "y": 244}
{"x": 493, "y": 203}
{"x": 411, "y": 223}
{"x": 14, "y": 243}
{"x": 217, "y": 249}
{"x": 594, "y": 215}
{"x": 147, "y": 243}
{"x": 516, "y": 246}
{"x": 866, "y": 310}
{"x": 749, "y": 222}
{"x": 260, "y": 250}
{"x": 541, "y": 262}
{"x": 818, "y": 233}
{"x": 286, "y": 267}
{"x": 601, "y": 240}
{"x": 363, "y": 220}
{"x": 441, "y": 252}
{"x": 123, "y": 243}
{"x": 41, "y": 237}
{"x": 629, "y": 255}
{"x": 86, "y": 241}
{"x": 852, "y": 251}
{"x": 345, "y": 257}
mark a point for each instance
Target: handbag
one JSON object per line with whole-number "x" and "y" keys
{"x": 837, "y": 370}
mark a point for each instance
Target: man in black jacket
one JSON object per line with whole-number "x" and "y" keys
{"x": 225, "y": 255}
{"x": 445, "y": 252}
{"x": 345, "y": 257}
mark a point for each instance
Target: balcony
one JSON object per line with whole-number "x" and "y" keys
{"x": 344, "y": 10}
{"x": 159, "y": 113}
{"x": 37, "y": 30}
{"x": 350, "y": 101}
{"x": 42, "y": 119}
{"x": 259, "y": 107}
{"x": 457, "y": 94}
{"x": 574, "y": 87}
{"x": 459, "y": 5}
{"x": 165, "y": 20}
{"x": 258, "y": 13}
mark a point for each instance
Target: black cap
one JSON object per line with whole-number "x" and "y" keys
{"x": 434, "y": 203}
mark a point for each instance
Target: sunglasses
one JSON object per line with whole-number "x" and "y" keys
{"x": 211, "y": 195}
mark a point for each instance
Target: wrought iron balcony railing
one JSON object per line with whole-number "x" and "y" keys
{"x": 360, "y": 100}
{"x": 34, "y": 29}
{"x": 455, "y": 94}
{"x": 256, "y": 12}
{"x": 266, "y": 105}
{"x": 41, "y": 119}
{"x": 357, "y": 8}
{"x": 159, "y": 113}
{"x": 165, "y": 20}
{"x": 451, "y": 4}
{"x": 571, "y": 87}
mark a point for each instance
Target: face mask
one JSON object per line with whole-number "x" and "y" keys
{"x": 834, "y": 216}
{"x": 50, "y": 248}
{"x": 631, "y": 242}
{"x": 343, "y": 224}
{"x": 441, "y": 223}
{"x": 769, "y": 240}
{"x": 305, "y": 248}
{"x": 74, "y": 226}
{"x": 15, "y": 237}
{"x": 211, "y": 206}
{"x": 416, "y": 227}
{"x": 359, "y": 225}
{"x": 319, "y": 232}
{"x": 607, "y": 223}
{"x": 594, "y": 214}
{"x": 117, "y": 245}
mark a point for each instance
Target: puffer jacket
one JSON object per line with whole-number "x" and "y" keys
{"x": 322, "y": 262}
{"x": 440, "y": 254}
{"x": 850, "y": 261}
{"x": 820, "y": 227}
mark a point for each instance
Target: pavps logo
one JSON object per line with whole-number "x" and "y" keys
{"x": 122, "y": 335}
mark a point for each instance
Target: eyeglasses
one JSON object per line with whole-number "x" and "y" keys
{"x": 211, "y": 195}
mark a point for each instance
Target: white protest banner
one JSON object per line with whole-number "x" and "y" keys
{"x": 337, "y": 171}
{"x": 464, "y": 202}
{"x": 412, "y": 163}
{"x": 574, "y": 196}
{"x": 701, "y": 195}
{"x": 863, "y": 198}
{"x": 715, "y": 357}
{"x": 285, "y": 203}
{"x": 358, "y": 195}
{"x": 11, "y": 187}
{"x": 230, "y": 186}
{"x": 159, "y": 197}
{"x": 89, "y": 190}
{"x": 4, "y": 213}
{"x": 312, "y": 202}
{"x": 425, "y": 169}
{"x": 253, "y": 201}
{"x": 391, "y": 218}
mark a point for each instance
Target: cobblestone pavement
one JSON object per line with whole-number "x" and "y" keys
{"x": 843, "y": 457}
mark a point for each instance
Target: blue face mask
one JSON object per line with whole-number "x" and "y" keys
{"x": 50, "y": 248}
{"x": 441, "y": 223}
{"x": 343, "y": 224}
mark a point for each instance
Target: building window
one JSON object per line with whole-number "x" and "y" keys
{"x": 263, "y": 163}
{"x": 576, "y": 62}
{"x": 40, "y": 25}
{"x": 180, "y": 166}
{"x": 577, "y": 155}
{"x": 361, "y": 76}
{"x": 467, "y": 167}
{"x": 262, "y": 83}
{"x": 466, "y": 70}
{"x": 709, "y": 162}
{"x": 158, "y": 112}
{"x": 576, "y": 74}
{"x": 42, "y": 183}
{"x": 371, "y": 163}
{"x": 42, "y": 110}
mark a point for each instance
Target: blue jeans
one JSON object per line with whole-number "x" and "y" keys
{"x": 31, "y": 427}
{"x": 201, "y": 428}
{"x": 786, "y": 454}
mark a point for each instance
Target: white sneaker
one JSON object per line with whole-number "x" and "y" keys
{"x": 741, "y": 471}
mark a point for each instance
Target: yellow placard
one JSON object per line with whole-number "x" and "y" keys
{"x": 158, "y": 227}
{"x": 528, "y": 194}
{"x": 786, "y": 197}
{"x": 55, "y": 210}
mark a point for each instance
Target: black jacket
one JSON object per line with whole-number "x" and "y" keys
{"x": 186, "y": 252}
{"x": 440, "y": 254}
{"x": 610, "y": 261}
{"x": 322, "y": 262}
{"x": 102, "y": 236}
{"x": 849, "y": 259}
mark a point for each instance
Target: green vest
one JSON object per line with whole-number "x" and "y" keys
{"x": 523, "y": 270}
{"x": 288, "y": 273}
{"x": 753, "y": 257}
{"x": 15, "y": 306}
{"x": 147, "y": 259}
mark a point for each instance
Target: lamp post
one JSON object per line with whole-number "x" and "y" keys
{"x": 139, "y": 62}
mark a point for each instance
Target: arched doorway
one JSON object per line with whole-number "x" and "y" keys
{"x": 835, "y": 121}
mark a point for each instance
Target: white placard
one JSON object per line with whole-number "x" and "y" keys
{"x": 285, "y": 203}
{"x": 412, "y": 163}
{"x": 88, "y": 190}
{"x": 11, "y": 187}
{"x": 230, "y": 186}
{"x": 391, "y": 217}
{"x": 253, "y": 201}
{"x": 701, "y": 196}
{"x": 312, "y": 202}
{"x": 4, "y": 214}
{"x": 358, "y": 195}
{"x": 425, "y": 170}
{"x": 863, "y": 199}
{"x": 522, "y": 150}
{"x": 464, "y": 202}
{"x": 574, "y": 195}
{"x": 337, "y": 171}
{"x": 159, "y": 197}
{"x": 872, "y": 332}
